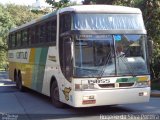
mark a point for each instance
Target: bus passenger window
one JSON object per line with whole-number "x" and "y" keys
{"x": 53, "y": 29}
{"x": 24, "y": 38}
{"x": 13, "y": 39}
{"x": 18, "y": 39}
{"x": 9, "y": 42}
{"x": 42, "y": 33}
{"x": 49, "y": 32}
{"x": 37, "y": 34}
{"x": 65, "y": 23}
{"x": 32, "y": 35}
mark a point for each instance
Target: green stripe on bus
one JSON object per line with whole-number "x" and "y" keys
{"x": 39, "y": 68}
{"x": 126, "y": 79}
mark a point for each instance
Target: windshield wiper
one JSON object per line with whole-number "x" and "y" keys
{"x": 106, "y": 61}
{"x": 130, "y": 67}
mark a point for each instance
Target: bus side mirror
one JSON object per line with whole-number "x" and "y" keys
{"x": 150, "y": 49}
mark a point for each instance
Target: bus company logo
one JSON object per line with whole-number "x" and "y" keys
{"x": 22, "y": 55}
{"x": 101, "y": 81}
{"x": 66, "y": 92}
{"x": 10, "y": 55}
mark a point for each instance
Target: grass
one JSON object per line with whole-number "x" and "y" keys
{"x": 155, "y": 86}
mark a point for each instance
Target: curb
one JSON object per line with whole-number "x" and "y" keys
{"x": 155, "y": 94}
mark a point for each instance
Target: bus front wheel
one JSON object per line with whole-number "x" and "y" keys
{"x": 55, "y": 95}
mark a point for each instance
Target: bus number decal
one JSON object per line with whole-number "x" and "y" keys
{"x": 104, "y": 81}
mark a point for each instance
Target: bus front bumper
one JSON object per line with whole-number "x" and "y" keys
{"x": 110, "y": 97}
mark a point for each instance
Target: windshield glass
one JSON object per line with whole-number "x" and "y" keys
{"x": 109, "y": 55}
{"x": 130, "y": 54}
{"x": 107, "y": 21}
{"x": 92, "y": 53}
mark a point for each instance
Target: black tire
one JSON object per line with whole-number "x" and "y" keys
{"x": 19, "y": 82}
{"x": 15, "y": 76}
{"x": 55, "y": 95}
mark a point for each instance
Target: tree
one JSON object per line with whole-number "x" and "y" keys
{"x": 5, "y": 25}
{"x": 60, "y": 4}
{"x": 12, "y": 15}
{"x": 151, "y": 15}
{"x": 21, "y": 14}
{"x": 109, "y": 2}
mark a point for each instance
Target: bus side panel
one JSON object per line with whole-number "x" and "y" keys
{"x": 39, "y": 68}
{"x": 31, "y": 66}
{"x": 51, "y": 69}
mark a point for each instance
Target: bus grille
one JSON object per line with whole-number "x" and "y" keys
{"x": 116, "y": 85}
{"x": 107, "y": 85}
{"x": 126, "y": 84}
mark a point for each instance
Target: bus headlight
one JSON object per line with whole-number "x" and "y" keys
{"x": 142, "y": 84}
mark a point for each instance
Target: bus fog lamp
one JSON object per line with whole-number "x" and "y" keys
{"x": 143, "y": 94}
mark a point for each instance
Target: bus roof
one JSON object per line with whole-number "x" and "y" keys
{"x": 83, "y": 8}
{"x": 101, "y": 8}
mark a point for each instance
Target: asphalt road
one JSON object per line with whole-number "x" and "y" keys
{"x": 29, "y": 105}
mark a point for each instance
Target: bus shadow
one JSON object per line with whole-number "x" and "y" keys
{"x": 83, "y": 113}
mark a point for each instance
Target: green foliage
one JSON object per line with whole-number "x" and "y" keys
{"x": 21, "y": 14}
{"x": 12, "y": 15}
{"x": 5, "y": 22}
{"x": 5, "y": 25}
{"x": 60, "y": 4}
{"x": 151, "y": 15}
{"x": 155, "y": 65}
{"x": 109, "y": 2}
{"x": 41, "y": 12}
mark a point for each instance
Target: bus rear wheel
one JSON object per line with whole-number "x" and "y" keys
{"x": 55, "y": 95}
{"x": 19, "y": 82}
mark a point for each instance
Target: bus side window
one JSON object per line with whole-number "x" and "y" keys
{"x": 65, "y": 23}
{"x": 51, "y": 30}
{"x": 42, "y": 33}
{"x": 66, "y": 57}
{"x": 13, "y": 39}
{"x": 18, "y": 39}
{"x": 37, "y": 35}
{"x": 9, "y": 41}
{"x": 29, "y": 36}
{"x": 32, "y": 35}
{"x": 24, "y": 38}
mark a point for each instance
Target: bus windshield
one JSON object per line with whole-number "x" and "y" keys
{"x": 110, "y": 55}
{"x": 89, "y": 21}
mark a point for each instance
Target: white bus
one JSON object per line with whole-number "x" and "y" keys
{"x": 88, "y": 55}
